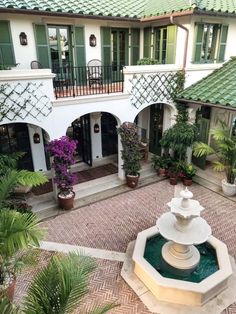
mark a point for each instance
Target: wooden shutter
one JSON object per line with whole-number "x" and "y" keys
{"x": 41, "y": 40}
{"x": 198, "y": 43}
{"x": 79, "y": 43}
{"x": 7, "y": 56}
{"x": 171, "y": 44}
{"x": 106, "y": 45}
{"x": 222, "y": 44}
{"x": 135, "y": 43}
{"x": 147, "y": 42}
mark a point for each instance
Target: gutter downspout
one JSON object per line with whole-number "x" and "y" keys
{"x": 186, "y": 41}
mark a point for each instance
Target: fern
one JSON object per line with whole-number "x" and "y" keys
{"x": 30, "y": 178}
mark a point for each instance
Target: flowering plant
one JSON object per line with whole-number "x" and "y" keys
{"x": 63, "y": 150}
{"x": 131, "y": 153}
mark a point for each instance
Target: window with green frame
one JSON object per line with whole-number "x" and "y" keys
{"x": 210, "y": 43}
{"x": 160, "y": 44}
{"x": 7, "y": 56}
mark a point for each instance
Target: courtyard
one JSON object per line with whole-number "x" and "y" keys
{"x": 105, "y": 228}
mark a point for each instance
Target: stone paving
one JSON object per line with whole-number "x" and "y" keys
{"x": 111, "y": 224}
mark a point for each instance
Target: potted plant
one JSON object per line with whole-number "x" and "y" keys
{"x": 225, "y": 152}
{"x": 160, "y": 164}
{"x": 63, "y": 150}
{"x": 187, "y": 173}
{"x": 17, "y": 232}
{"x": 131, "y": 155}
{"x": 174, "y": 173}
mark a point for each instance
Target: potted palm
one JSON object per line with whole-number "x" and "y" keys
{"x": 17, "y": 232}
{"x": 131, "y": 155}
{"x": 63, "y": 150}
{"x": 187, "y": 173}
{"x": 225, "y": 152}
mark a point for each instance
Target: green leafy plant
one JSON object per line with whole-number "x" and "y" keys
{"x": 225, "y": 151}
{"x": 60, "y": 286}
{"x": 17, "y": 232}
{"x": 147, "y": 61}
{"x": 180, "y": 136}
{"x": 188, "y": 171}
{"x": 131, "y": 150}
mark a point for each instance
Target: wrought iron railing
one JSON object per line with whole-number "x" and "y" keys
{"x": 81, "y": 81}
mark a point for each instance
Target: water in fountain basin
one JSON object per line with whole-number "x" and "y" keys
{"x": 207, "y": 266}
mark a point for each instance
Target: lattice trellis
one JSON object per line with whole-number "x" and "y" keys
{"x": 152, "y": 88}
{"x": 22, "y": 100}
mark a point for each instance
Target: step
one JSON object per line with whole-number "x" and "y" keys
{"x": 94, "y": 191}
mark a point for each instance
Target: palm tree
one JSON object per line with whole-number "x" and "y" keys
{"x": 60, "y": 286}
{"x": 17, "y": 232}
{"x": 225, "y": 151}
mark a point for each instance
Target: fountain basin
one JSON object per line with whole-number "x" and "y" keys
{"x": 180, "y": 291}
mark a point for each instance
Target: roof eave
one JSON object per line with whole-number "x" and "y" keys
{"x": 166, "y": 16}
{"x": 213, "y": 13}
{"x": 201, "y": 103}
{"x": 67, "y": 14}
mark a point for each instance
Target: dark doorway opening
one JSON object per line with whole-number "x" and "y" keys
{"x": 156, "y": 128}
{"x": 109, "y": 134}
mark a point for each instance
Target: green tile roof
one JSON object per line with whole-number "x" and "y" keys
{"x": 121, "y": 8}
{"x": 218, "y": 88}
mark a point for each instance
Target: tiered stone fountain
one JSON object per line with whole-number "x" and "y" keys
{"x": 184, "y": 228}
{"x": 166, "y": 260}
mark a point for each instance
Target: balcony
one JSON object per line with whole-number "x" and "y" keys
{"x": 73, "y": 81}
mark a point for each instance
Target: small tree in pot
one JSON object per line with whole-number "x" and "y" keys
{"x": 63, "y": 150}
{"x": 131, "y": 152}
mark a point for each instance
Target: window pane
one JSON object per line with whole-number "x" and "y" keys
{"x": 164, "y": 45}
{"x": 158, "y": 44}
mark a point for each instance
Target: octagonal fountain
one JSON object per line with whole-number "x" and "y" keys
{"x": 178, "y": 260}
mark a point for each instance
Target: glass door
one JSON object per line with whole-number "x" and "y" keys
{"x": 60, "y": 48}
{"x": 119, "y": 51}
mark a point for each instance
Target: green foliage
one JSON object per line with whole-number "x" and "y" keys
{"x": 6, "y": 307}
{"x": 9, "y": 162}
{"x": 59, "y": 287}
{"x": 131, "y": 150}
{"x": 17, "y": 232}
{"x": 179, "y": 78}
{"x": 188, "y": 171}
{"x": 225, "y": 151}
{"x": 147, "y": 61}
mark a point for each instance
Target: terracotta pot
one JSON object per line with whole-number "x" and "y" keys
{"x": 162, "y": 172}
{"x": 173, "y": 180}
{"x": 187, "y": 181}
{"x": 66, "y": 203}
{"x": 132, "y": 181}
{"x": 10, "y": 290}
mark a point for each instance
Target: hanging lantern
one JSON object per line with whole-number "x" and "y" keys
{"x": 23, "y": 39}
{"x": 96, "y": 128}
{"x": 92, "y": 40}
{"x": 36, "y": 138}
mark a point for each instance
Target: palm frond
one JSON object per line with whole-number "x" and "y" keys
{"x": 7, "y": 184}
{"x": 60, "y": 286}
{"x": 104, "y": 309}
{"x": 6, "y": 307}
{"x": 218, "y": 166}
{"x": 31, "y": 178}
{"x": 18, "y": 231}
{"x": 202, "y": 149}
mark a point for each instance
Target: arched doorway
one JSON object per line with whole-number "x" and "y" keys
{"x": 109, "y": 134}
{"x": 156, "y": 128}
{"x": 14, "y": 138}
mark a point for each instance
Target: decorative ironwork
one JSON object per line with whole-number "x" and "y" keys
{"x": 21, "y": 100}
{"x": 153, "y": 88}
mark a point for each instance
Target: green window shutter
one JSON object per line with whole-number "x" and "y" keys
{"x": 7, "y": 56}
{"x": 171, "y": 44}
{"x": 198, "y": 43}
{"x": 79, "y": 44}
{"x": 41, "y": 40}
{"x": 147, "y": 42}
{"x": 106, "y": 45}
{"x": 135, "y": 38}
{"x": 222, "y": 45}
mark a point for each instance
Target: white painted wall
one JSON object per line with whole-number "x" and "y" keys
{"x": 96, "y": 138}
{"x": 38, "y": 155}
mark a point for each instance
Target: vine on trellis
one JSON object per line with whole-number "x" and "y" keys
{"x": 21, "y": 100}
{"x": 151, "y": 88}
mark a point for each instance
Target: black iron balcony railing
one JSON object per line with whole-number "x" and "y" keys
{"x": 81, "y": 81}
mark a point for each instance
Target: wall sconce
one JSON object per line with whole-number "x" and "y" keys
{"x": 36, "y": 138}
{"x": 96, "y": 128}
{"x": 3, "y": 130}
{"x": 92, "y": 40}
{"x": 23, "y": 39}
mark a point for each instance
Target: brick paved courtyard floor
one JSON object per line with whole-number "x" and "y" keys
{"x": 111, "y": 224}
